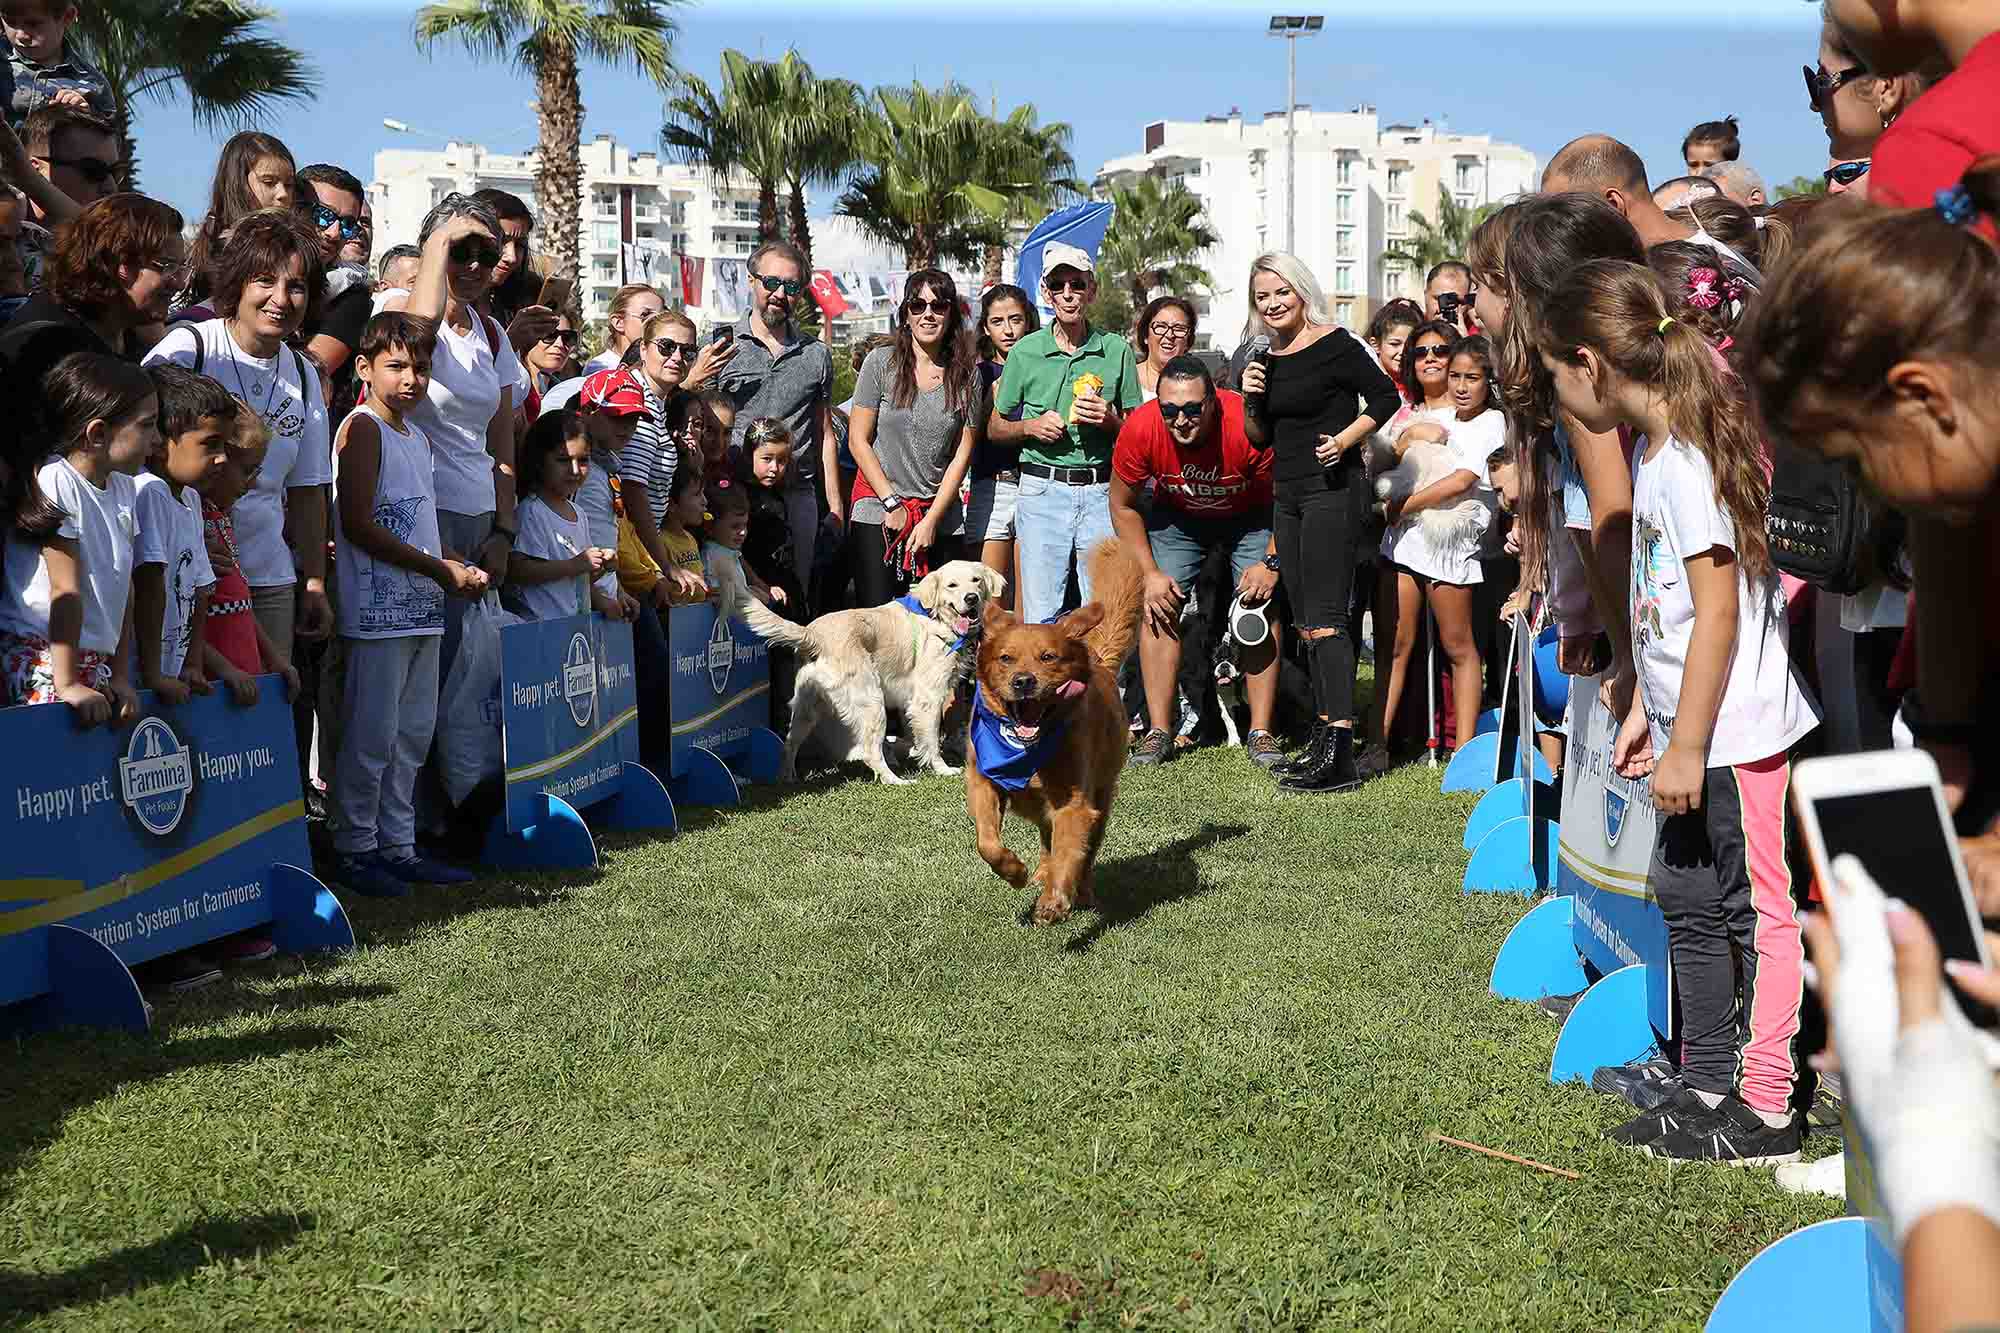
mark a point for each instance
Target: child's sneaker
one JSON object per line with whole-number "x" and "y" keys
{"x": 1681, "y": 1109}
{"x": 246, "y": 948}
{"x": 180, "y": 972}
{"x": 1733, "y": 1134}
{"x": 414, "y": 869}
{"x": 365, "y": 874}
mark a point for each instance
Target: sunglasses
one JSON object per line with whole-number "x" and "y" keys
{"x": 668, "y": 348}
{"x": 93, "y": 169}
{"x": 567, "y": 337}
{"x": 1820, "y": 86}
{"x": 916, "y": 305}
{"x": 1169, "y": 411}
{"x": 324, "y": 217}
{"x": 1432, "y": 352}
{"x": 790, "y": 286}
{"x": 1164, "y": 331}
{"x": 1846, "y": 173}
{"x": 1061, "y": 286}
{"x": 473, "y": 250}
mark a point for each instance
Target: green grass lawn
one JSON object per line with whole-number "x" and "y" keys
{"x": 804, "y": 1067}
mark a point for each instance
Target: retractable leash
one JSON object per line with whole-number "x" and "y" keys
{"x": 1431, "y": 682}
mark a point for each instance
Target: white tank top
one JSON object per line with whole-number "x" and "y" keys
{"x": 378, "y": 600}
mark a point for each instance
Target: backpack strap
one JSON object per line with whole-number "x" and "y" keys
{"x": 492, "y": 328}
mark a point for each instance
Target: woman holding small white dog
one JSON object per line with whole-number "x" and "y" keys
{"x": 1438, "y": 506}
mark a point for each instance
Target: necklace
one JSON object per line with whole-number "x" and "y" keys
{"x": 236, "y": 369}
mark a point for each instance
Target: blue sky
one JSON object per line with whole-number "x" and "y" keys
{"x": 1534, "y": 73}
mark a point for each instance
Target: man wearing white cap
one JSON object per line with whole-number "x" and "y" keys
{"x": 1062, "y": 399}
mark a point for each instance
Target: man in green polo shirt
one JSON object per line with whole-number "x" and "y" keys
{"x": 1062, "y": 398}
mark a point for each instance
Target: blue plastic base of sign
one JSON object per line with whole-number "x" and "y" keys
{"x": 88, "y": 987}
{"x": 1518, "y": 856}
{"x": 1816, "y": 1277}
{"x": 1539, "y": 956}
{"x": 1503, "y": 803}
{"x": 707, "y": 781}
{"x": 641, "y": 805}
{"x": 557, "y": 840}
{"x": 765, "y": 756}
{"x": 1471, "y": 769}
{"x": 1609, "y": 1026}
{"x": 305, "y": 916}
{"x": 1488, "y": 721}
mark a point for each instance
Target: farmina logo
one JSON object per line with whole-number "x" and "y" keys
{"x": 721, "y": 655}
{"x": 1616, "y": 807}
{"x": 580, "y": 681}
{"x": 155, "y": 776}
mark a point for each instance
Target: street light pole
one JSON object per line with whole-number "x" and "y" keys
{"x": 1291, "y": 27}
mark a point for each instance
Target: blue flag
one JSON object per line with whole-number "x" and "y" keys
{"x": 1081, "y": 225}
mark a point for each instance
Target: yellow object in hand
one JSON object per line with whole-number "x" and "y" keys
{"x": 1086, "y": 386}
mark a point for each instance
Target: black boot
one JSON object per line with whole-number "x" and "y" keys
{"x": 1307, "y": 757}
{"x": 1335, "y": 769}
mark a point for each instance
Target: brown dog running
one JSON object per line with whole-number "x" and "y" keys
{"x": 1052, "y": 690}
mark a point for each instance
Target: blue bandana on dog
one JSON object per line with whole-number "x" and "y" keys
{"x": 998, "y": 752}
{"x": 908, "y": 601}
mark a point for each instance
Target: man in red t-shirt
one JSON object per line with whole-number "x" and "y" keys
{"x": 1211, "y": 490}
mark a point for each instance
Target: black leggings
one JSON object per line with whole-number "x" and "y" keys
{"x": 1318, "y": 534}
{"x": 874, "y": 582}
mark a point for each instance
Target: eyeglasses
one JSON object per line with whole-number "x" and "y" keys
{"x": 1821, "y": 85}
{"x": 473, "y": 250}
{"x": 791, "y": 286}
{"x": 1169, "y": 411}
{"x": 324, "y": 217}
{"x": 667, "y": 348}
{"x": 917, "y": 306}
{"x": 176, "y": 272}
{"x": 1167, "y": 331}
{"x": 93, "y": 169}
{"x": 1433, "y": 352}
{"x": 1060, "y": 286}
{"x": 1846, "y": 173}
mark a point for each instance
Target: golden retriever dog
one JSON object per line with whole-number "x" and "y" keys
{"x": 1048, "y": 734}
{"x": 854, "y": 666}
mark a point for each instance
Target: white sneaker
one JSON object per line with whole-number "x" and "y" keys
{"x": 1826, "y": 1176}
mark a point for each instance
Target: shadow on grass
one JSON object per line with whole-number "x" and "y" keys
{"x": 168, "y": 1259}
{"x": 1130, "y": 887}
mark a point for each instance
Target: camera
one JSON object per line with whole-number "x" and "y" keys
{"x": 1448, "y": 304}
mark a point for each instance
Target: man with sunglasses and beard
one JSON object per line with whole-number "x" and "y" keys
{"x": 1211, "y": 491}
{"x": 773, "y": 371}
{"x": 330, "y": 198}
{"x": 1062, "y": 398}
{"x": 76, "y": 151}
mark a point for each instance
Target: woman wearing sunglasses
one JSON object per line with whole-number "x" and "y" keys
{"x": 468, "y": 413}
{"x": 1855, "y": 106}
{"x": 911, "y": 431}
{"x": 1165, "y": 330}
{"x": 550, "y": 361}
{"x": 649, "y": 459}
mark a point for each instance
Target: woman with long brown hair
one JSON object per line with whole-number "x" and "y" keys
{"x": 911, "y": 432}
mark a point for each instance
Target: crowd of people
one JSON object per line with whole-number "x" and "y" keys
{"x": 241, "y": 452}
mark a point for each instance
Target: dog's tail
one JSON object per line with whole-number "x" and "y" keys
{"x": 1117, "y": 584}
{"x": 765, "y": 623}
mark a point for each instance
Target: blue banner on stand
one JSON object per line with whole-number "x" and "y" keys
{"x": 721, "y": 688}
{"x": 569, "y": 708}
{"x": 1608, "y": 825}
{"x": 151, "y": 838}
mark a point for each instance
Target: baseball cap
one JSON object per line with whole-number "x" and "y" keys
{"x": 615, "y": 390}
{"x": 1057, "y": 254}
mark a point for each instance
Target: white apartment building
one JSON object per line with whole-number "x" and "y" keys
{"x": 638, "y": 211}
{"x": 1357, "y": 183}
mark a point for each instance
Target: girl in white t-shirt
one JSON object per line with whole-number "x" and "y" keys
{"x": 65, "y": 609}
{"x": 1716, "y": 712}
{"x": 552, "y": 570}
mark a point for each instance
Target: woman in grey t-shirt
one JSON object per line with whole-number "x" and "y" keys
{"x": 911, "y": 433}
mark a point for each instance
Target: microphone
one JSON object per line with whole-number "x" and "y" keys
{"x": 1260, "y": 354}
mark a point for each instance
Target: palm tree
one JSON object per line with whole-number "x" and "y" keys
{"x": 213, "y": 52}
{"x": 1031, "y": 167}
{"x": 1156, "y": 234}
{"x": 1432, "y": 243}
{"x": 922, "y": 191}
{"x": 822, "y": 115}
{"x": 550, "y": 39}
{"x": 741, "y": 129}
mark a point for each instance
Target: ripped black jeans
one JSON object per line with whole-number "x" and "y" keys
{"x": 1318, "y": 532}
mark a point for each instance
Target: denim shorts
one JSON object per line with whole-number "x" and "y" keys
{"x": 989, "y": 514}
{"x": 1181, "y": 542}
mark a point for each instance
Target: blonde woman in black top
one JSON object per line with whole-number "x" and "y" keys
{"x": 1315, "y": 397}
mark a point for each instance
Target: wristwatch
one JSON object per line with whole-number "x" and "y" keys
{"x": 1270, "y": 562}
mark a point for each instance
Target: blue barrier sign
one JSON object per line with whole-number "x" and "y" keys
{"x": 154, "y": 838}
{"x": 721, "y": 691}
{"x": 569, "y": 707}
{"x": 1608, "y": 825}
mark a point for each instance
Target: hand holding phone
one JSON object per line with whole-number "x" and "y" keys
{"x": 555, "y": 293}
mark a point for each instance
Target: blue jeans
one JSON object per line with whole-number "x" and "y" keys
{"x": 1053, "y": 523}
{"x": 1181, "y": 543}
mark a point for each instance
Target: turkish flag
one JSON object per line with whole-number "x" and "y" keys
{"x": 826, "y": 292}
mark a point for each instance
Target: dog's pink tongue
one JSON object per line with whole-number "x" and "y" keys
{"x": 1070, "y": 689}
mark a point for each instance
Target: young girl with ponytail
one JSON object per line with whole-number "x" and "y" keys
{"x": 1716, "y": 711}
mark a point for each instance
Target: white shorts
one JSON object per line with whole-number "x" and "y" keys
{"x": 989, "y": 514}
